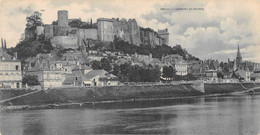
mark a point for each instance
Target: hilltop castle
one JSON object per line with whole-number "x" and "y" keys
{"x": 69, "y": 37}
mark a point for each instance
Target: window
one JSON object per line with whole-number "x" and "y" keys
{"x": 16, "y": 67}
{"x": 76, "y": 78}
{"x": 17, "y": 85}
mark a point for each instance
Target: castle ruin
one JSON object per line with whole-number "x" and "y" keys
{"x": 69, "y": 37}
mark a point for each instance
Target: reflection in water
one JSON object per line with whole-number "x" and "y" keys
{"x": 216, "y": 115}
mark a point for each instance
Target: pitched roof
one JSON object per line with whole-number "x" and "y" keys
{"x": 81, "y": 67}
{"x": 45, "y": 66}
{"x": 256, "y": 75}
{"x": 101, "y": 73}
{"x": 7, "y": 57}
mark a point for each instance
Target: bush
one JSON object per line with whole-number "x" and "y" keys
{"x": 31, "y": 80}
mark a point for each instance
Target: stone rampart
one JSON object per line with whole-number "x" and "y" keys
{"x": 65, "y": 41}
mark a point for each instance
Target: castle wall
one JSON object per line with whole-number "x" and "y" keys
{"x": 121, "y": 29}
{"x": 86, "y": 34}
{"x": 165, "y": 39}
{"x": 90, "y": 34}
{"x": 134, "y": 32}
{"x": 63, "y": 30}
{"x": 48, "y": 31}
{"x": 39, "y": 30}
{"x": 129, "y": 31}
{"x": 151, "y": 39}
{"x": 142, "y": 36}
{"x": 65, "y": 41}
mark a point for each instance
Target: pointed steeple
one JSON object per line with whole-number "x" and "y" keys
{"x": 239, "y": 57}
{"x": 238, "y": 52}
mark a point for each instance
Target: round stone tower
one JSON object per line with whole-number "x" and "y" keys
{"x": 62, "y": 18}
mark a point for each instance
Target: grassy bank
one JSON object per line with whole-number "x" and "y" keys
{"x": 123, "y": 93}
{"x": 107, "y": 93}
{"x": 9, "y": 93}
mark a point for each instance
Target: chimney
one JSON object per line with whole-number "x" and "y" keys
{"x": 15, "y": 55}
{"x": 150, "y": 55}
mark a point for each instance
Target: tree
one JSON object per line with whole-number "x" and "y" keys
{"x": 34, "y": 20}
{"x": 220, "y": 75}
{"x": 106, "y": 64}
{"x": 168, "y": 72}
{"x": 76, "y": 23}
{"x": 31, "y": 80}
{"x": 116, "y": 70}
{"x": 95, "y": 65}
{"x": 26, "y": 48}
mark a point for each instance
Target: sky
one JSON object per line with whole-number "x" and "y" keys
{"x": 207, "y": 29}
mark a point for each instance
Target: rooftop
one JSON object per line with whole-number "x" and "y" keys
{"x": 7, "y": 57}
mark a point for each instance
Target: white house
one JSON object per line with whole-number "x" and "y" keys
{"x": 10, "y": 71}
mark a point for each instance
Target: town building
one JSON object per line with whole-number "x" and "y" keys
{"x": 255, "y": 76}
{"x": 243, "y": 74}
{"x": 256, "y": 67}
{"x": 49, "y": 73}
{"x": 10, "y": 70}
{"x": 211, "y": 76}
{"x": 181, "y": 68}
{"x": 85, "y": 76}
{"x": 178, "y": 62}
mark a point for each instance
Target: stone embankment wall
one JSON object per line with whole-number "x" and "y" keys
{"x": 218, "y": 88}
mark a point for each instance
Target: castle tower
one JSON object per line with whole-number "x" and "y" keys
{"x": 239, "y": 57}
{"x": 62, "y": 18}
{"x": 105, "y": 29}
{"x": 164, "y": 34}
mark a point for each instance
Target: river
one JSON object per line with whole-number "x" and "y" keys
{"x": 230, "y": 115}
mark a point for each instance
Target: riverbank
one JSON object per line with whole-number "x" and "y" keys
{"x": 106, "y": 93}
{"x": 115, "y": 104}
{"x": 78, "y": 96}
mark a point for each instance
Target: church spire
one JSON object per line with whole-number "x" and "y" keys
{"x": 238, "y": 52}
{"x": 239, "y": 57}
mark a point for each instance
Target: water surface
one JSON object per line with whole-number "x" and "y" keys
{"x": 233, "y": 115}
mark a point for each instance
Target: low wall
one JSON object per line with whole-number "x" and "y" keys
{"x": 218, "y": 88}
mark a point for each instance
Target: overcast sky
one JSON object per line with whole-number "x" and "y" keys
{"x": 213, "y": 31}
